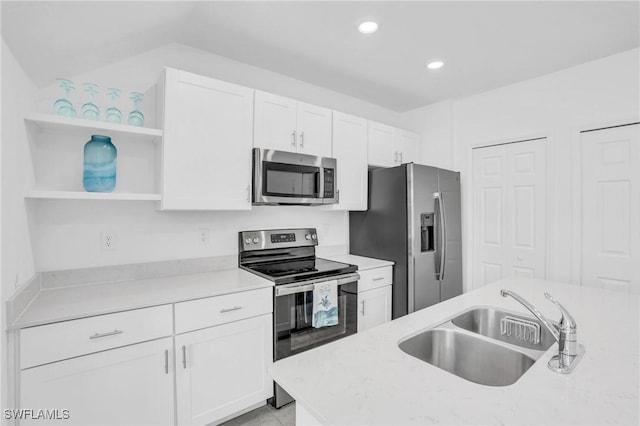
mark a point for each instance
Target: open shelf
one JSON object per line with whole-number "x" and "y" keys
{"x": 79, "y": 195}
{"x": 67, "y": 124}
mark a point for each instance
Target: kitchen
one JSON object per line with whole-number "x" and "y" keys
{"x": 512, "y": 72}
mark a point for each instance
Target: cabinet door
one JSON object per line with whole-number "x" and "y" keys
{"x": 407, "y": 145}
{"x": 207, "y": 144}
{"x": 381, "y": 145}
{"x": 314, "y": 130}
{"x": 350, "y": 149}
{"x": 222, "y": 370}
{"x": 126, "y": 386}
{"x": 374, "y": 307}
{"x": 275, "y": 122}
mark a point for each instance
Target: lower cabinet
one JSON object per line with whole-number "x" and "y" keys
{"x": 131, "y": 368}
{"x": 124, "y": 386}
{"x": 374, "y": 307}
{"x": 221, "y": 370}
{"x": 374, "y": 297}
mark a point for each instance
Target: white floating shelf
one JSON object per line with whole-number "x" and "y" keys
{"x": 78, "y": 195}
{"x": 55, "y": 122}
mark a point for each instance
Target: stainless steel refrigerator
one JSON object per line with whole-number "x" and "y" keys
{"x": 413, "y": 219}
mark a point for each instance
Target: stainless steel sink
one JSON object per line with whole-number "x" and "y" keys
{"x": 468, "y": 357}
{"x": 483, "y": 345}
{"x": 506, "y": 327}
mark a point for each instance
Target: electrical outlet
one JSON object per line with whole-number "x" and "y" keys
{"x": 203, "y": 236}
{"x": 108, "y": 240}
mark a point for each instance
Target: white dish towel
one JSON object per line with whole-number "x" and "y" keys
{"x": 325, "y": 304}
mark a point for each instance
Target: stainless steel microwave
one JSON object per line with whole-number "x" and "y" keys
{"x": 281, "y": 177}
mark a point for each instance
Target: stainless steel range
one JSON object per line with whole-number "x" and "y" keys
{"x": 287, "y": 257}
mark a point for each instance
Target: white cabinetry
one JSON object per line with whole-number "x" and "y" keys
{"x": 119, "y": 368}
{"x": 350, "y": 150}
{"x": 390, "y": 146}
{"x": 82, "y": 366}
{"x": 223, "y": 369}
{"x": 288, "y": 125}
{"x": 132, "y": 385}
{"x": 380, "y": 145}
{"x": 206, "y": 158}
{"x": 374, "y": 297}
{"x": 406, "y": 144}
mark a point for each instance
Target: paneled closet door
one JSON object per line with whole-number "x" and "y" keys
{"x": 611, "y": 208}
{"x": 510, "y": 207}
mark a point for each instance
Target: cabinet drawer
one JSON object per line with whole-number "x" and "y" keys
{"x": 52, "y": 342}
{"x": 375, "y": 278}
{"x": 197, "y": 314}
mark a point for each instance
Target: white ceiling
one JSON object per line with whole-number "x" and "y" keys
{"x": 484, "y": 44}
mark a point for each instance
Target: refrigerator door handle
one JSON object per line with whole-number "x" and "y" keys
{"x": 440, "y": 248}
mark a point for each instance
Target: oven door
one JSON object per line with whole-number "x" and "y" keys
{"x": 281, "y": 177}
{"x": 293, "y": 312}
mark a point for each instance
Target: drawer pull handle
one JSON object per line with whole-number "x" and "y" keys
{"x": 235, "y": 308}
{"x": 378, "y": 279}
{"x": 184, "y": 356}
{"x": 110, "y": 333}
{"x": 166, "y": 361}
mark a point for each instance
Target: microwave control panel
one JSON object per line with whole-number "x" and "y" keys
{"x": 328, "y": 183}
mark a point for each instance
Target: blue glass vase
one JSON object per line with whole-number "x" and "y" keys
{"x": 99, "y": 164}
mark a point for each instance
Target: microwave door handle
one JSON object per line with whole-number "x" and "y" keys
{"x": 319, "y": 182}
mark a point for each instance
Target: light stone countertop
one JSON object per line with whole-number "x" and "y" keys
{"x": 66, "y": 303}
{"x": 364, "y": 263}
{"x": 366, "y": 379}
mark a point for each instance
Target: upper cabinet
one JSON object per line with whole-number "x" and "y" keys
{"x": 206, "y": 156}
{"x": 406, "y": 144}
{"x": 380, "y": 145}
{"x": 390, "y": 146}
{"x": 350, "y": 150}
{"x": 288, "y": 125}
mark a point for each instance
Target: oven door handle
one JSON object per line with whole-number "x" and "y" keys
{"x": 287, "y": 289}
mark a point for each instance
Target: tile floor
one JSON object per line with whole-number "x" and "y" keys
{"x": 266, "y": 416}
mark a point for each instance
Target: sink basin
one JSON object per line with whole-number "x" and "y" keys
{"x": 486, "y": 322}
{"x": 469, "y": 357}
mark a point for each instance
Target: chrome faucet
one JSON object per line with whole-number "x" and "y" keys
{"x": 565, "y": 333}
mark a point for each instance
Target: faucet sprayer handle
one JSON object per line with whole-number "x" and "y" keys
{"x": 566, "y": 320}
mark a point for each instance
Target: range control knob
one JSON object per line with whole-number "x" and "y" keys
{"x": 247, "y": 241}
{"x": 314, "y": 236}
{"x": 256, "y": 240}
{"x": 307, "y": 236}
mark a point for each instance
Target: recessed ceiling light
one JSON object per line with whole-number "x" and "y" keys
{"x": 434, "y": 65}
{"x": 368, "y": 27}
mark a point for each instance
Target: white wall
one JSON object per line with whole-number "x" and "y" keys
{"x": 16, "y": 259}
{"x": 557, "y": 105}
{"x": 144, "y": 234}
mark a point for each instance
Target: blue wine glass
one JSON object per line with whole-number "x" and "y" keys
{"x": 114, "y": 115}
{"x": 90, "y": 110}
{"x": 63, "y": 106}
{"x": 136, "y": 117}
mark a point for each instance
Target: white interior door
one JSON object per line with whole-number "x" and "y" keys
{"x": 510, "y": 204}
{"x": 611, "y": 208}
